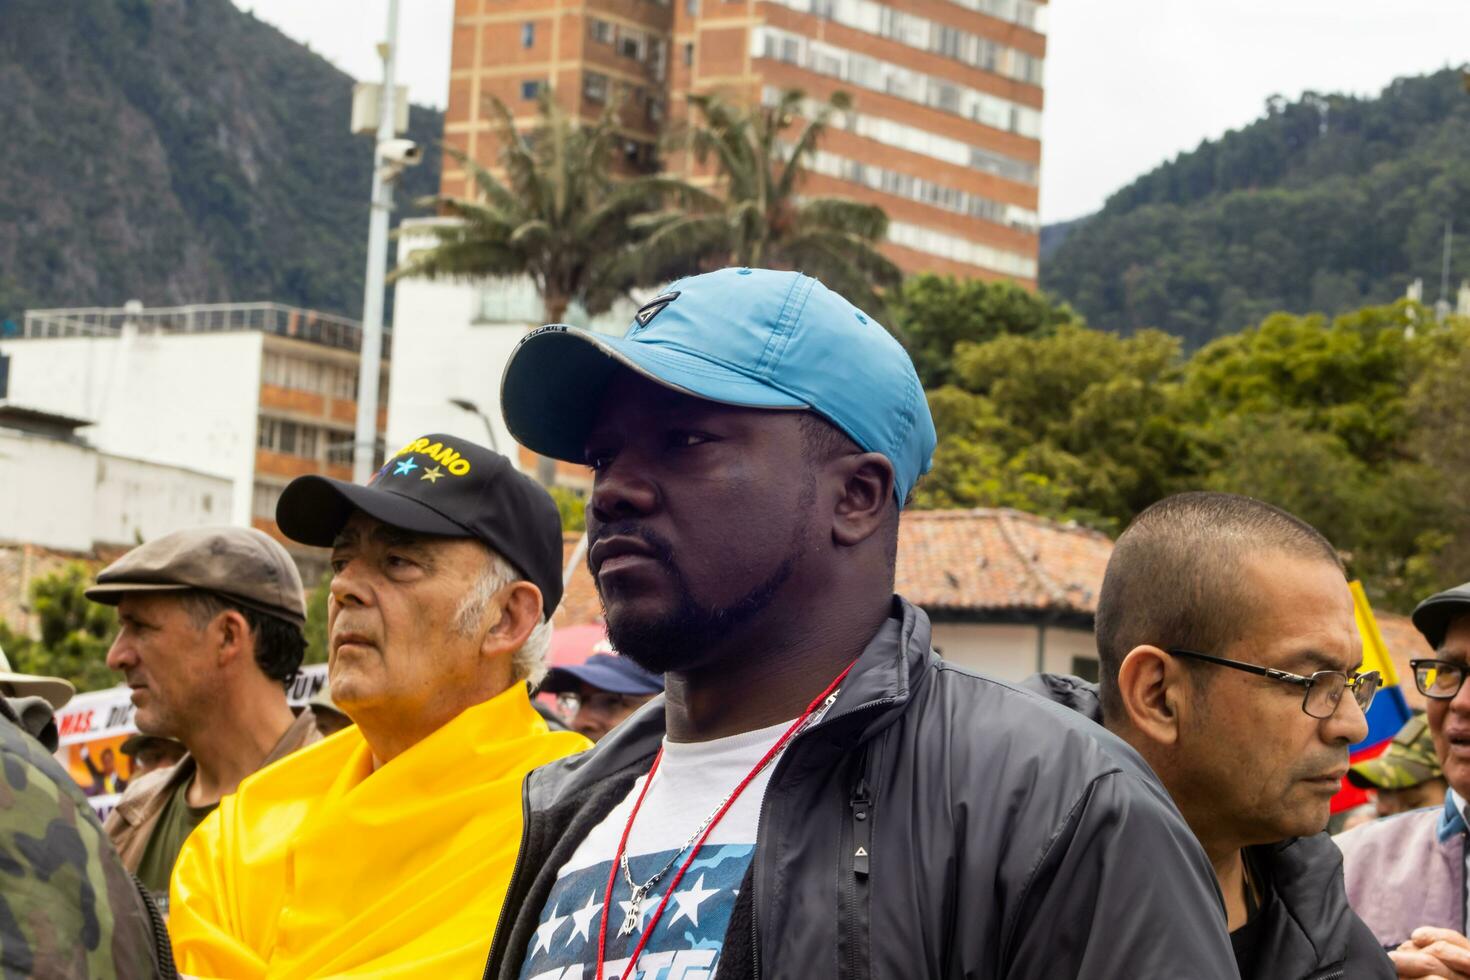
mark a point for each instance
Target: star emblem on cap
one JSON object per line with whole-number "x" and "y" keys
{"x": 432, "y": 474}
{"x": 405, "y": 467}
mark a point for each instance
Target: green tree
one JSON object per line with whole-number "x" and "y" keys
{"x": 75, "y": 633}
{"x": 316, "y": 620}
{"x": 762, "y": 217}
{"x": 934, "y": 314}
{"x": 573, "y": 508}
{"x": 558, "y": 215}
{"x": 1078, "y": 424}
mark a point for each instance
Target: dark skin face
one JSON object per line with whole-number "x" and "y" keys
{"x": 726, "y": 556}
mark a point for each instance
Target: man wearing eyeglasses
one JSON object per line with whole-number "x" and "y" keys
{"x": 596, "y": 696}
{"x": 1229, "y": 659}
{"x": 1406, "y": 873}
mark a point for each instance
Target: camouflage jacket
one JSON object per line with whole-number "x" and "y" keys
{"x": 68, "y": 908}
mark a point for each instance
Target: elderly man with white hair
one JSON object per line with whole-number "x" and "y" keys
{"x": 386, "y": 850}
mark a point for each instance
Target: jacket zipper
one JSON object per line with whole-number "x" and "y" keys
{"x": 496, "y": 939}
{"x": 855, "y": 883}
{"x": 161, "y": 945}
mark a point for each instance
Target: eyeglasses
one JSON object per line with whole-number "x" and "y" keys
{"x": 1438, "y": 679}
{"x": 601, "y": 702}
{"x": 1323, "y": 689}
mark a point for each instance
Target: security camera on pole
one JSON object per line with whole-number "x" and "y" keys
{"x": 387, "y": 108}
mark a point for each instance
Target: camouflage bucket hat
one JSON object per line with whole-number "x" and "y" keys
{"x": 1408, "y": 761}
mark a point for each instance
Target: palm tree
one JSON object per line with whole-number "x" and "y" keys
{"x": 558, "y": 215}
{"x": 762, "y": 219}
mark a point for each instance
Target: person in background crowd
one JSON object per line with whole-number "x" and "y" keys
{"x": 330, "y": 719}
{"x": 821, "y": 795}
{"x": 34, "y": 700}
{"x": 1229, "y": 658}
{"x": 71, "y": 910}
{"x": 1406, "y": 873}
{"x": 1406, "y": 776}
{"x": 597, "y": 695}
{"x": 210, "y": 636}
{"x": 105, "y": 777}
{"x": 150, "y": 752}
{"x": 385, "y": 850}
{"x": 1356, "y": 817}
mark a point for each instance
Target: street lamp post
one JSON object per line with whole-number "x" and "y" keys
{"x": 473, "y": 409}
{"x": 365, "y": 438}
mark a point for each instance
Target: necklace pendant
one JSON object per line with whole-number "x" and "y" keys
{"x": 633, "y": 918}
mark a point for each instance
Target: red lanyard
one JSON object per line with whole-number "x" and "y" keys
{"x": 612, "y": 876}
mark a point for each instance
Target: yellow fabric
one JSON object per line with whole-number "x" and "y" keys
{"x": 321, "y": 867}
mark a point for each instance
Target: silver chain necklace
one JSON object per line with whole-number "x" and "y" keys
{"x": 640, "y": 892}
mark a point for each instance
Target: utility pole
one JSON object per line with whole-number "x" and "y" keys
{"x": 365, "y": 439}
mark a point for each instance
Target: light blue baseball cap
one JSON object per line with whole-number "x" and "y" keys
{"x": 755, "y": 338}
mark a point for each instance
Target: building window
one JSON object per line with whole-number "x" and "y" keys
{"x": 290, "y": 438}
{"x": 594, "y": 87}
{"x": 1085, "y": 668}
{"x": 601, "y": 31}
{"x": 632, "y": 44}
{"x": 528, "y": 35}
{"x": 691, "y": 7}
{"x": 688, "y": 54}
{"x": 264, "y": 500}
{"x": 530, "y": 90}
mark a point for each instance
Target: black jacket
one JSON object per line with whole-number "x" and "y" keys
{"x": 1309, "y": 929}
{"x": 1008, "y": 838}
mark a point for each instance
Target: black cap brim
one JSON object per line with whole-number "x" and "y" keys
{"x": 1434, "y": 615}
{"x": 314, "y": 509}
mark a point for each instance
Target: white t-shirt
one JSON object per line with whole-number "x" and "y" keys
{"x": 692, "y": 781}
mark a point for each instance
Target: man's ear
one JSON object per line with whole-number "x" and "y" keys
{"x": 520, "y": 605}
{"x": 1152, "y": 688}
{"x": 230, "y": 632}
{"x": 866, "y": 494}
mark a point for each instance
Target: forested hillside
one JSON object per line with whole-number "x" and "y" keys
{"x": 179, "y": 151}
{"x": 1325, "y": 204}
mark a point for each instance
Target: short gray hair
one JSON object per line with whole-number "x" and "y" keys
{"x": 529, "y": 662}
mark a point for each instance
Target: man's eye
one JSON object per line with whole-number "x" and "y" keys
{"x": 684, "y": 440}
{"x": 597, "y": 460}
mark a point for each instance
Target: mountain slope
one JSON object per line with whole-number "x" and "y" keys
{"x": 179, "y": 151}
{"x": 1325, "y": 204}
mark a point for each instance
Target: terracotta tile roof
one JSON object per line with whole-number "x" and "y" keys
{"x": 999, "y": 561}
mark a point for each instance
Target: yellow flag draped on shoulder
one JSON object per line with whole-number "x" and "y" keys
{"x": 321, "y": 867}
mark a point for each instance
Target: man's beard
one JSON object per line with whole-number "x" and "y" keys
{"x": 681, "y": 639}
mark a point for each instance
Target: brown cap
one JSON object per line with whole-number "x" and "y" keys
{"x": 237, "y": 563}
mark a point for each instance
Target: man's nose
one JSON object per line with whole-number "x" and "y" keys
{"x": 120, "y": 656}
{"x": 1349, "y": 723}
{"x": 349, "y": 585}
{"x": 621, "y": 490}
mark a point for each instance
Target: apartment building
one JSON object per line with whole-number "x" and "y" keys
{"x": 944, "y": 133}
{"x": 257, "y": 393}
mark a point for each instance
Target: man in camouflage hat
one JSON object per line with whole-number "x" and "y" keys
{"x": 1407, "y": 775}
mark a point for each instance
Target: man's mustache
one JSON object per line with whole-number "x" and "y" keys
{"x": 660, "y": 550}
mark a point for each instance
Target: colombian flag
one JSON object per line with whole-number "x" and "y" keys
{"x": 1388, "y": 713}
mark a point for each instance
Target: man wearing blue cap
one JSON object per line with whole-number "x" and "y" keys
{"x": 821, "y": 795}
{"x": 596, "y": 696}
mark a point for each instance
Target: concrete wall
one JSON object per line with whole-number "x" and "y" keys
{"x": 187, "y": 400}
{"x": 49, "y": 491}
{"x": 137, "y": 500}
{"x": 67, "y": 497}
{"x": 1009, "y": 651}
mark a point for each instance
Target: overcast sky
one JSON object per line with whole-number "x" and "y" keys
{"x": 1129, "y": 83}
